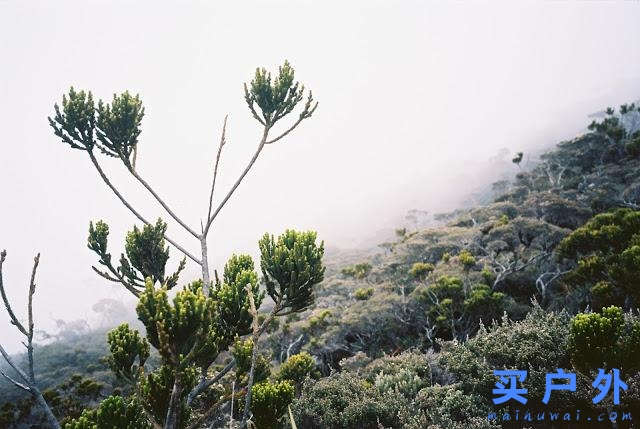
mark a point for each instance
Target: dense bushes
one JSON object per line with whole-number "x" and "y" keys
{"x": 607, "y": 252}
{"x": 607, "y": 340}
{"x": 344, "y": 400}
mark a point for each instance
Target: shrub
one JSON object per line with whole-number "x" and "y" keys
{"x": 452, "y": 312}
{"x": 420, "y": 270}
{"x": 362, "y": 294}
{"x": 633, "y": 147}
{"x": 449, "y": 407}
{"x": 114, "y": 412}
{"x": 269, "y": 402}
{"x": 319, "y": 319}
{"x": 607, "y": 252}
{"x": 297, "y": 368}
{"x": 343, "y": 400}
{"x": 466, "y": 259}
{"x": 358, "y": 271}
{"x": 242, "y": 352}
{"x": 610, "y": 339}
{"x": 539, "y": 344}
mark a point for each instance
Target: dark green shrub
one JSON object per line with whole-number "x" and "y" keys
{"x": 115, "y": 412}
{"x": 607, "y": 252}
{"x": 633, "y": 147}
{"x": 610, "y": 339}
{"x": 297, "y": 368}
{"x": 269, "y": 402}
{"x": 344, "y": 400}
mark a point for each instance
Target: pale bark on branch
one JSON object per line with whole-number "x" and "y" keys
{"x": 28, "y": 382}
{"x": 134, "y": 211}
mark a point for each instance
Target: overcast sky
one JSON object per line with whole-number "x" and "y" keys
{"x": 414, "y": 97}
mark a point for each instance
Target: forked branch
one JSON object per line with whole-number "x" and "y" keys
{"x": 223, "y": 141}
{"x": 28, "y": 382}
{"x": 134, "y": 211}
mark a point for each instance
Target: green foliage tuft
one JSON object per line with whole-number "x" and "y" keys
{"x": 118, "y": 126}
{"x": 125, "y": 345}
{"x": 291, "y": 266}
{"x": 242, "y": 352}
{"x": 115, "y": 412}
{"x": 297, "y": 368}
{"x": 269, "y": 402}
{"x": 278, "y": 97}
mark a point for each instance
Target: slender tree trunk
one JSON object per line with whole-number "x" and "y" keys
{"x": 206, "y": 277}
{"x": 51, "y": 419}
{"x": 254, "y": 357}
{"x": 173, "y": 413}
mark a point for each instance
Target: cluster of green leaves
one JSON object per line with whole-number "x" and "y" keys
{"x": 291, "y": 265}
{"x": 610, "y": 339}
{"x": 319, "y": 320}
{"x": 113, "y": 128}
{"x": 233, "y": 306}
{"x": 125, "y": 346}
{"x": 607, "y": 252}
{"x": 269, "y": 402}
{"x": 297, "y": 368}
{"x": 242, "y": 352}
{"x": 276, "y": 98}
{"x": 115, "y": 412}
{"x": 146, "y": 256}
{"x": 270, "y": 395}
{"x": 155, "y": 391}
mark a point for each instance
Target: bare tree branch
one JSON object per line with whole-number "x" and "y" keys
{"x": 29, "y": 382}
{"x": 543, "y": 285}
{"x": 223, "y": 141}
{"x": 14, "y": 319}
{"x": 160, "y": 200}
{"x": 286, "y": 132}
{"x": 196, "y": 424}
{"x": 117, "y": 279}
{"x": 32, "y": 290}
{"x": 257, "y": 331}
{"x": 134, "y": 211}
{"x": 508, "y": 267}
{"x": 16, "y": 383}
{"x": 205, "y": 384}
{"x": 237, "y": 183}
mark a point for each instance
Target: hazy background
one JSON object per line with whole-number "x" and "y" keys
{"x": 415, "y": 100}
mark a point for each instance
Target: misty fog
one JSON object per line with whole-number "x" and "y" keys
{"x": 413, "y": 114}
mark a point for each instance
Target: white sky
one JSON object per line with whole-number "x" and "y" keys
{"x": 412, "y": 96}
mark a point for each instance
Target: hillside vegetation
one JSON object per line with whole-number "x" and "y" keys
{"x": 543, "y": 277}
